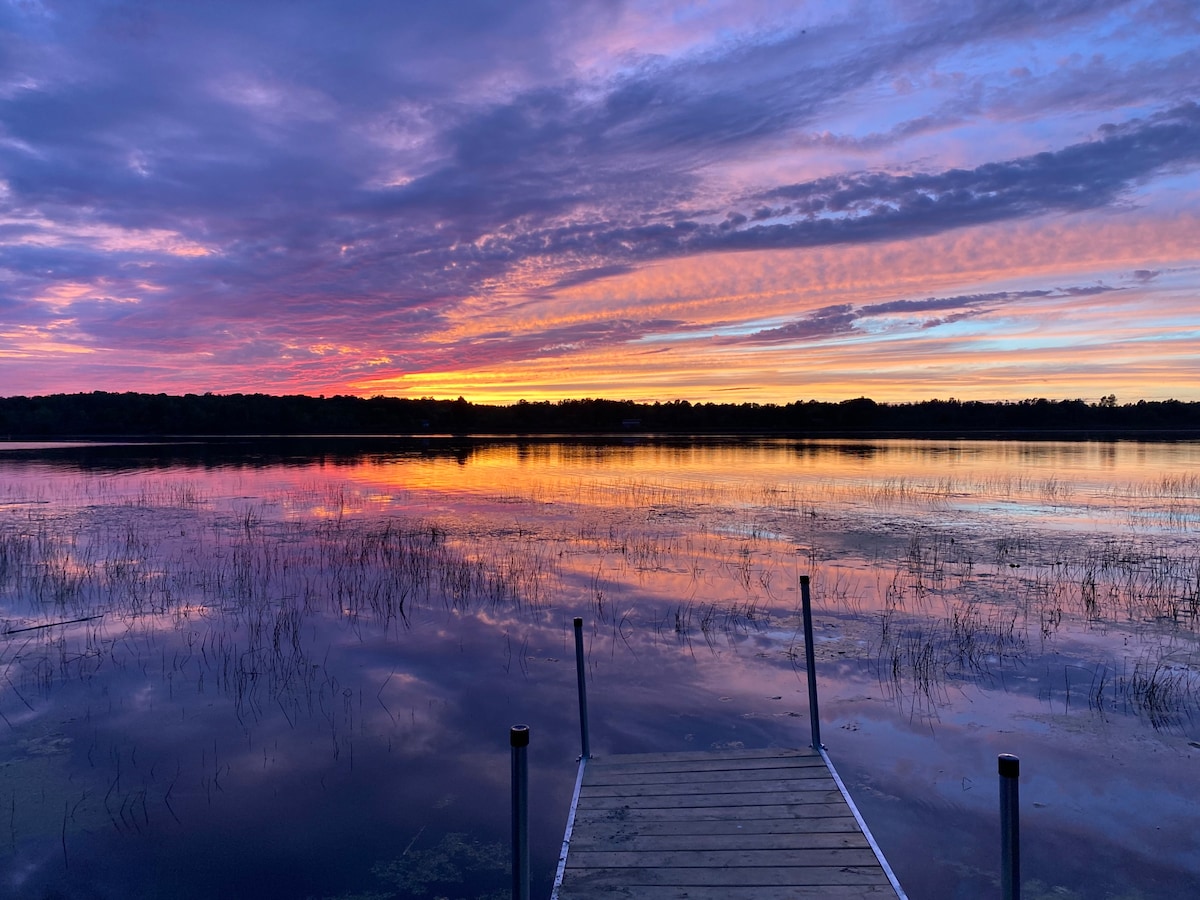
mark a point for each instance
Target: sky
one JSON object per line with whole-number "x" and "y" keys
{"x": 744, "y": 201}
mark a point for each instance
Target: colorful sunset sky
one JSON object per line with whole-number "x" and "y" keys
{"x": 741, "y": 201}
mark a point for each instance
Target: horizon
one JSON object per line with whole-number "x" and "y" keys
{"x": 1111, "y": 400}
{"x": 742, "y": 202}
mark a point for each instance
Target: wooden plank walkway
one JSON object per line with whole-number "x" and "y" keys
{"x": 735, "y": 825}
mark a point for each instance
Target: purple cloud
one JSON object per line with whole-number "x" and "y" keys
{"x": 247, "y": 179}
{"x": 840, "y": 319}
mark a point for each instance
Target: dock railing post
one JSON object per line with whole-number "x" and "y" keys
{"x": 580, "y": 674}
{"x": 1010, "y": 827}
{"x": 518, "y": 739}
{"x": 810, "y": 662}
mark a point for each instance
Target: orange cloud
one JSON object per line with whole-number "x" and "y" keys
{"x": 1082, "y": 323}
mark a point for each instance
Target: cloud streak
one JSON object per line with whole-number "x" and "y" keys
{"x": 845, "y": 319}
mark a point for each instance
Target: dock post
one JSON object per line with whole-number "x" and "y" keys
{"x": 518, "y": 739}
{"x": 810, "y": 662}
{"x": 1010, "y": 828}
{"x": 580, "y": 674}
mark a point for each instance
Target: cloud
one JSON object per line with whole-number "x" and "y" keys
{"x": 239, "y": 182}
{"x": 871, "y": 206}
{"x": 1087, "y": 175}
{"x": 500, "y": 347}
{"x": 823, "y": 323}
{"x": 1088, "y": 290}
{"x": 939, "y": 303}
{"x": 847, "y": 318}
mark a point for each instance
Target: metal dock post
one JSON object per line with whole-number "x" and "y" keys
{"x": 585, "y": 743}
{"x": 1010, "y": 827}
{"x": 810, "y": 662}
{"x": 518, "y": 739}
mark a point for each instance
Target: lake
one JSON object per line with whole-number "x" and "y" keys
{"x": 288, "y": 668}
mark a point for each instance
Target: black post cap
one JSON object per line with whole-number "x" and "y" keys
{"x": 579, "y": 621}
{"x": 1009, "y": 765}
{"x": 518, "y": 736}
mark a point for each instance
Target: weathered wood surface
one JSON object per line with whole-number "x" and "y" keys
{"x": 736, "y": 824}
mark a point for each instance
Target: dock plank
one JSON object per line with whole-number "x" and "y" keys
{"x": 834, "y": 809}
{"x": 715, "y": 762}
{"x": 735, "y": 892}
{"x": 635, "y": 840}
{"x": 731, "y": 823}
{"x": 724, "y": 859}
{"x": 695, "y": 756}
{"x": 731, "y": 827}
{"x": 756, "y": 779}
{"x": 762, "y": 876}
{"x": 677, "y": 788}
{"x": 684, "y": 801}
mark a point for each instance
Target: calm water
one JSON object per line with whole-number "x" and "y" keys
{"x": 288, "y": 670}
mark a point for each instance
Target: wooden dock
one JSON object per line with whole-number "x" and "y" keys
{"x": 734, "y": 824}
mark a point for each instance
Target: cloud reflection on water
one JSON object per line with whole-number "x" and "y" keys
{"x": 253, "y": 695}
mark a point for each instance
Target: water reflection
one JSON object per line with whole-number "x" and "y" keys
{"x": 273, "y": 671}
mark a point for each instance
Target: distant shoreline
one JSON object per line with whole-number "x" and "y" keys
{"x": 101, "y": 416}
{"x": 948, "y": 435}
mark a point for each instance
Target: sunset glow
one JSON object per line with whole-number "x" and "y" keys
{"x": 732, "y": 201}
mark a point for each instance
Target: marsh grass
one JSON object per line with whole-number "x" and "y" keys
{"x": 237, "y": 603}
{"x": 957, "y": 604}
{"x": 943, "y": 619}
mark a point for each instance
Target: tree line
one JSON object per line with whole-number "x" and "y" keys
{"x": 104, "y": 414}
